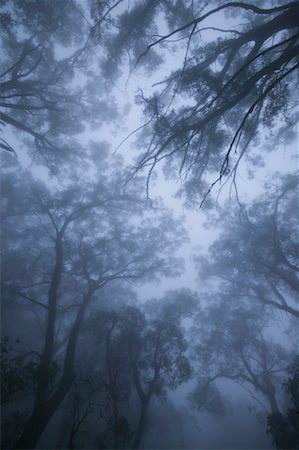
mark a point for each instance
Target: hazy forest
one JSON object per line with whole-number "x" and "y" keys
{"x": 149, "y": 219}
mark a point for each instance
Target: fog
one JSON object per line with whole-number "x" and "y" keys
{"x": 149, "y": 220}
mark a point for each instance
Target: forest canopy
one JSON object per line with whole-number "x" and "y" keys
{"x": 139, "y": 307}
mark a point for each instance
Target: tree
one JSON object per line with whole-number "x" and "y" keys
{"x": 284, "y": 427}
{"x": 256, "y": 255}
{"x": 233, "y": 343}
{"x": 81, "y": 405}
{"x": 158, "y": 362}
{"x": 82, "y": 240}
{"x": 145, "y": 354}
{"x": 18, "y": 372}
{"x": 228, "y": 91}
{"x": 107, "y": 326}
{"x": 48, "y": 91}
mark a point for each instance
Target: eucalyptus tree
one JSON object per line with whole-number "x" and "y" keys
{"x": 256, "y": 255}
{"x": 232, "y": 85}
{"x": 49, "y": 90}
{"x": 158, "y": 363}
{"x": 233, "y": 341}
{"x": 145, "y": 355}
{"x": 72, "y": 242}
{"x": 115, "y": 371}
{"x": 83, "y": 404}
{"x": 87, "y": 414}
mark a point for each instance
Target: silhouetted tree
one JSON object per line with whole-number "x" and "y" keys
{"x": 158, "y": 363}
{"x": 233, "y": 344}
{"x": 18, "y": 371}
{"x": 284, "y": 427}
{"x": 48, "y": 91}
{"x": 232, "y": 83}
{"x": 79, "y": 240}
{"x": 147, "y": 354}
{"x": 256, "y": 255}
{"x": 112, "y": 350}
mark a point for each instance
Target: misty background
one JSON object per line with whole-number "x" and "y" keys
{"x": 149, "y": 206}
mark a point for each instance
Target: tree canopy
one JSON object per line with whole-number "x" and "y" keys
{"x": 256, "y": 256}
{"x": 227, "y": 93}
{"x": 131, "y": 317}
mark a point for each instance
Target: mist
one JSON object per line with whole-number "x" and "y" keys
{"x": 149, "y": 220}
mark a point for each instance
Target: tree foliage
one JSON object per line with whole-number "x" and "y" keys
{"x": 77, "y": 242}
{"x": 228, "y": 90}
{"x": 234, "y": 345}
{"x": 49, "y": 91}
{"x": 146, "y": 354}
{"x": 256, "y": 255}
{"x": 93, "y": 357}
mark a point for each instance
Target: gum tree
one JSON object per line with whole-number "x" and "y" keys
{"x": 256, "y": 255}
{"x": 233, "y": 84}
{"x": 146, "y": 355}
{"x": 233, "y": 343}
{"x": 78, "y": 240}
{"x": 48, "y": 89}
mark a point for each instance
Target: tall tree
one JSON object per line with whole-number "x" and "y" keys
{"x": 233, "y": 342}
{"x": 232, "y": 83}
{"x": 83, "y": 239}
{"x": 256, "y": 255}
{"x": 48, "y": 89}
{"x": 146, "y": 354}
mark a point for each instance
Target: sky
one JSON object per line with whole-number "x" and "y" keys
{"x": 197, "y": 429}
{"x": 122, "y": 140}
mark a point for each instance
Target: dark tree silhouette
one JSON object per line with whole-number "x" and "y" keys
{"x": 284, "y": 427}
{"x": 158, "y": 362}
{"x": 88, "y": 354}
{"x": 108, "y": 326}
{"x": 233, "y": 344}
{"x": 40, "y": 96}
{"x": 33, "y": 90}
{"x": 18, "y": 371}
{"x": 256, "y": 256}
{"x": 78, "y": 241}
{"x": 226, "y": 91}
{"x": 144, "y": 354}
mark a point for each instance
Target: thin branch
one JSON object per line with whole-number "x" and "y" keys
{"x": 249, "y": 111}
{"x": 26, "y": 297}
{"x": 214, "y": 11}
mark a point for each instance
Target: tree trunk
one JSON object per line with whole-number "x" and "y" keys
{"x": 273, "y": 404}
{"x": 112, "y": 387}
{"x": 272, "y": 396}
{"x": 41, "y": 413}
{"x": 45, "y": 409}
{"x": 39, "y": 420}
{"x": 145, "y": 397}
{"x": 140, "y": 427}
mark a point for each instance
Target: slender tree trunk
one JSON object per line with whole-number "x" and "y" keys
{"x": 71, "y": 438}
{"x": 272, "y": 396}
{"x": 44, "y": 408}
{"x": 112, "y": 387}
{"x": 39, "y": 420}
{"x": 273, "y": 404}
{"x": 268, "y": 390}
{"x": 115, "y": 421}
{"x": 145, "y": 397}
{"x": 141, "y": 426}
{"x": 39, "y": 417}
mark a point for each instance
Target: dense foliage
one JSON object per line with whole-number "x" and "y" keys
{"x": 90, "y": 356}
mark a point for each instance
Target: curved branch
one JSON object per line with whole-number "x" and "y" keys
{"x": 241, "y": 5}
